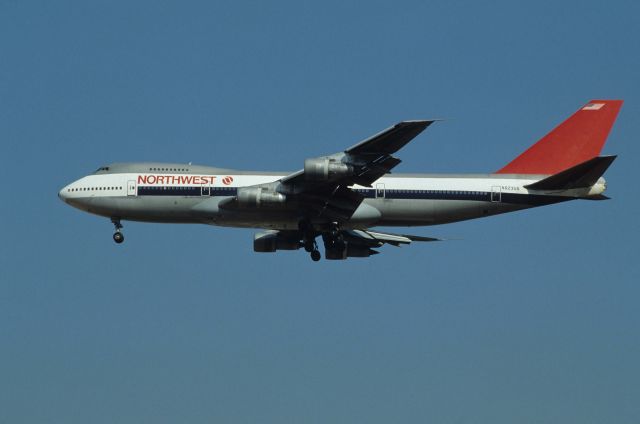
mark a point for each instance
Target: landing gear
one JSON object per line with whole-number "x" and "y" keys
{"x": 309, "y": 240}
{"x": 118, "y": 237}
{"x": 315, "y": 255}
{"x": 335, "y": 246}
{"x": 311, "y": 246}
{"x": 333, "y": 240}
{"x": 334, "y": 230}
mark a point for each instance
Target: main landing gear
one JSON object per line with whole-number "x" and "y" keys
{"x": 335, "y": 246}
{"x": 311, "y": 246}
{"x": 309, "y": 240}
{"x": 315, "y": 255}
{"x": 118, "y": 237}
{"x": 334, "y": 242}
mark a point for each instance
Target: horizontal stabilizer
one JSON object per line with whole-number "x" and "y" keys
{"x": 584, "y": 174}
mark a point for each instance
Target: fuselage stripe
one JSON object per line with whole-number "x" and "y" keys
{"x": 479, "y": 196}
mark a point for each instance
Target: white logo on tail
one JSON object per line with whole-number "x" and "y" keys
{"x": 593, "y": 106}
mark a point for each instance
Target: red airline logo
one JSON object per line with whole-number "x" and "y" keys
{"x": 176, "y": 179}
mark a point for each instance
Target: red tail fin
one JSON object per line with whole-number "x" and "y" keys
{"x": 576, "y": 140}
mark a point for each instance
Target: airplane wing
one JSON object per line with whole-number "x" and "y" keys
{"x": 359, "y": 243}
{"x": 322, "y": 188}
{"x": 372, "y": 157}
{"x": 377, "y": 239}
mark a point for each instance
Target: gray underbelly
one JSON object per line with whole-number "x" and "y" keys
{"x": 406, "y": 212}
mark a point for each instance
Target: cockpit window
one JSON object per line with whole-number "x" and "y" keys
{"x": 102, "y": 168}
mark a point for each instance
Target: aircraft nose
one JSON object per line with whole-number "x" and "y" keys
{"x": 62, "y": 194}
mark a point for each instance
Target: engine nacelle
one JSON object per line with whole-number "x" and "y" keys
{"x": 257, "y": 197}
{"x": 272, "y": 241}
{"x": 326, "y": 169}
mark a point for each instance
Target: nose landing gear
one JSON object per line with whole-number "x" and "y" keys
{"x": 118, "y": 237}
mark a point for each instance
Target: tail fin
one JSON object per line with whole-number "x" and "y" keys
{"x": 583, "y": 175}
{"x": 576, "y": 140}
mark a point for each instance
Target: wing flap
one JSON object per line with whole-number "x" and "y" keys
{"x": 375, "y": 238}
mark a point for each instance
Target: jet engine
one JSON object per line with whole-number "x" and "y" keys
{"x": 326, "y": 169}
{"x": 272, "y": 241}
{"x": 258, "y": 197}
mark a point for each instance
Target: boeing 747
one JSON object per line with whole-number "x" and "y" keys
{"x": 341, "y": 197}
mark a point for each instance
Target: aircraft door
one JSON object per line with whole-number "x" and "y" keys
{"x": 205, "y": 189}
{"x": 496, "y": 194}
{"x": 131, "y": 188}
{"x": 380, "y": 192}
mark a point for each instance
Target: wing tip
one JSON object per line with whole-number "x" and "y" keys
{"x": 421, "y": 238}
{"x": 419, "y": 122}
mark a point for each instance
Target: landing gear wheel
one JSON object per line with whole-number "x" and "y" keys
{"x": 315, "y": 255}
{"x": 308, "y": 236}
{"x": 118, "y": 237}
{"x": 309, "y": 245}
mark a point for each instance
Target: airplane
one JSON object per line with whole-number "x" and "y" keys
{"x": 341, "y": 197}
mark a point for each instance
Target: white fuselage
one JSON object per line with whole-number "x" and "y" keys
{"x": 189, "y": 194}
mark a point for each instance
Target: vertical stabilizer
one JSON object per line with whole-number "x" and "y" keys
{"x": 576, "y": 140}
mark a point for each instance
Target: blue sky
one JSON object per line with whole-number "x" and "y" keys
{"x": 529, "y": 317}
